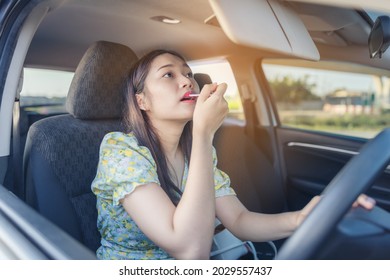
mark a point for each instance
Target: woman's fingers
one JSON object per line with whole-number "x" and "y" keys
{"x": 220, "y": 90}
{"x": 211, "y": 108}
{"x": 364, "y": 201}
{"x": 313, "y": 202}
{"x": 207, "y": 90}
{"x": 212, "y": 89}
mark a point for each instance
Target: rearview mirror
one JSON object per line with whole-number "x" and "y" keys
{"x": 379, "y": 38}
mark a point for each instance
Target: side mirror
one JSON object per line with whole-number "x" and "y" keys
{"x": 379, "y": 38}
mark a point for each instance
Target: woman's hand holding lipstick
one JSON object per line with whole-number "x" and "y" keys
{"x": 211, "y": 108}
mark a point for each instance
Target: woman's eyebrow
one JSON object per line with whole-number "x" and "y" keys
{"x": 171, "y": 65}
{"x": 164, "y": 66}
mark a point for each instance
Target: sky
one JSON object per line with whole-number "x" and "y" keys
{"x": 39, "y": 82}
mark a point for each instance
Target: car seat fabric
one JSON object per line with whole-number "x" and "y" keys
{"x": 252, "y": 175}
{"x": 61, "y": 154}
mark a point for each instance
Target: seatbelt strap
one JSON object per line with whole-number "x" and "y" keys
{"x": 16, "y": 152}
{"x": 250, "y": 112}
{"x": 16, "y": 144}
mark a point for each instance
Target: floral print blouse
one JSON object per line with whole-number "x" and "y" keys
{"x": 123, "y": 166}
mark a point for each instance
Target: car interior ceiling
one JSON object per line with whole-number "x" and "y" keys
{"x": 332, "y": 29}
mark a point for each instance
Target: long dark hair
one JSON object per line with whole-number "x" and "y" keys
{"x": 137, "y": 122}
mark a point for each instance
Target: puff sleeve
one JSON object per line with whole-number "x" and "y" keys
{"x": 123, "y": 166}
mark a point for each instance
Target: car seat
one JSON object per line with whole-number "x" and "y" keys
{"x": 252, "y": 174}
{"x": 62, "y": 152}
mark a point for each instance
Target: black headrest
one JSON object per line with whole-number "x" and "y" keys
{"x": 202, "y": 79}
{"x": 99, "y": 83}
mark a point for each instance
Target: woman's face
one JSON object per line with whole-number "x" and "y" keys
{"x": 166, "y": 89}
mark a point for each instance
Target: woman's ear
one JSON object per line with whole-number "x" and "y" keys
{"x": 141, "y": 101}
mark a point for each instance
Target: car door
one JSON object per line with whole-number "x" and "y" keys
{"x": 24, "y": 234}
{"x": 323, "y": 117}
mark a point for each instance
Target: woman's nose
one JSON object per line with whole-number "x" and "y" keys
{"x": 186, "y": 82}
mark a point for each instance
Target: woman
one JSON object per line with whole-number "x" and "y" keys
{"x": 158, "y": 188}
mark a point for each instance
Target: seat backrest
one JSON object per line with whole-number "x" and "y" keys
{"x": 61, "y": 154}
{"x": 252, "y": 175}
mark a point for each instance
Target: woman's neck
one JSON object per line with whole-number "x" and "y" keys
{"x": 169, "y": 135}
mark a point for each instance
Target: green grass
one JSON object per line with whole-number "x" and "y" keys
{"x": 360, "y": 125}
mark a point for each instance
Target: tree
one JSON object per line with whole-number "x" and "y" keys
{"x": 293, "y": 90}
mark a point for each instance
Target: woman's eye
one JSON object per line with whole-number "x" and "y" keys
{"x": 168, "y": 75}
{"x": 190, "y": 75}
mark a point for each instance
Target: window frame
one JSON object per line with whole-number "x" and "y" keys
{"x": 339, "y": 66}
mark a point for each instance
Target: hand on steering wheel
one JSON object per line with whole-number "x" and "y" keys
{"x": 363, "y": 201}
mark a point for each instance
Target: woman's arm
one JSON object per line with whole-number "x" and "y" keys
{"x": 252, "y": 226}
{"x": 260, "y": 227}
{"x": 185, "y": 231}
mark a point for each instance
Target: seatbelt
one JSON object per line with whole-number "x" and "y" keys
{"x": 250, "y": 112}
{"x": 252, "y": 121}
{"x": 16, "y": 146}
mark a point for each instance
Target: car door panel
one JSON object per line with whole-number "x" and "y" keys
{"x": 312, "y": 159}
{"x": 25, "y": 234}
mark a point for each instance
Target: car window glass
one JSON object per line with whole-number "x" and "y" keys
{"x": 341, "y": 98}
{"x": 44, "y": 91}
{"x": 221, "y": 72}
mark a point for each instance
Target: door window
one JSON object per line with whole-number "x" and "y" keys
{"x": 44, "y": 91}
{"x": 221, "y": 72}
{"x": 332, "y": 97}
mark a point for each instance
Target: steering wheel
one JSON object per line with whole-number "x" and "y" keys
{"x": 356, "y": 177}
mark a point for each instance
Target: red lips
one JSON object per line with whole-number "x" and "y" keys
{"x": 189, "y": 96}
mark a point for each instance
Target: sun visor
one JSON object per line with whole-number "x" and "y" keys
{"x": 270, "y": 25}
